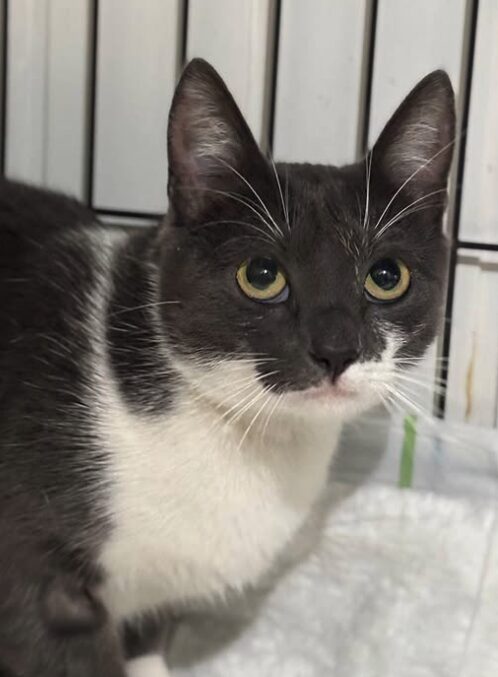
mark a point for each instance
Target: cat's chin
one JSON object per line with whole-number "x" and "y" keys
{"x": 340, "y": 399}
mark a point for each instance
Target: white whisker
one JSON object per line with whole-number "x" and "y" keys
{"x": 278, "y": 401}
{"x": 429, "y": 385}
{"x": 286, "y": 215}
{"x": 153, "y": 304}
{"x": 246, "y": 203}
{"x": 258, "y": 395}
{"x": 287, "y": 194}
{"x": 247, "y": 224}
{"x": 406, "y": 211}
{"x": 256, "y": 416}
{"x": 366, "y": 220}
{"x": 256, "y": 194}
{"x": 411, "y": 177}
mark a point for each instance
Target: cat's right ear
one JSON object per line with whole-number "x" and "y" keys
{"x": 416, "y": 146}
{"x": 210, "y": 146}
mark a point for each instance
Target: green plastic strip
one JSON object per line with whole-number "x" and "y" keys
{"x": 408, "y": 453}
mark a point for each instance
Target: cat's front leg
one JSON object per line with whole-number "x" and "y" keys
{"x": 55, "y": 627}
{"x": 151, "y": 665}
{"x": 145, "y": 643}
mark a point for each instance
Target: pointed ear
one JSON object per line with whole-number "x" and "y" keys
{"x": 416, "y": 145}
{"x": 209, "y": 142}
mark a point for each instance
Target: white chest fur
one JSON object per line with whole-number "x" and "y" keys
{"x": 194, "y": 515}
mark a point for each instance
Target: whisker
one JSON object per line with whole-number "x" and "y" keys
{"x": 397, "y": 408}
{"x": 277, "y": 402}
{"x": 405, "y": 215}
{"x": 279, "y": 185}
{"x": 256, "y": 416}
{"x": 360, "y": 212}
{"x": 412, "y": 176}
{"x": 374, "y": 372}
{"x": 366, "y": 220}
{"x": 244, "y": 399}
{"x": 412, "y": 406}
{"x": 386, "y": 402}
{"x": 247, "y": 379}
{"x": 431, "y": 420}
{"x": 153, "y": 304}
{"x": 237, "y": 416}
{"x": 247, "y": 224}
{"x": 429, "y": 383}
{"x": 232, "y": 414}
{"x": 244, "y": 384}
{"x": 287, "y": 193}
{"x": 247, "y": 203}
{"x": 406, "y": 211}
{"x": 414, "y": 361}
{"x": 255, "y": 193}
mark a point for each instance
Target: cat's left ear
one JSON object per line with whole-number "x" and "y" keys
{"x": 210, "y": 146}
{"x": 416, "y": 145}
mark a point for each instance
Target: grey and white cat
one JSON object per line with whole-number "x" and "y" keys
{"x": 171, "y": 397}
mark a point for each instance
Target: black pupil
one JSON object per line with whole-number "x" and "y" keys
{"x": 386, "y": 274}
{"x": 261, "y": 273}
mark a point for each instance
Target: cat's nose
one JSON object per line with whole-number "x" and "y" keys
{"x": 334, "y": 362}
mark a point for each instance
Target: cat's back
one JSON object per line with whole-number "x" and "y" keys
{"x": 45, "y": 255}
{"x": 32, "y": 223}
{"x": 53, "y": 258}
{"x": 35, "y": 211}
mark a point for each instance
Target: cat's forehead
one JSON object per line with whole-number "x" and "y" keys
{"x": 325, "y": 194}
{"x": 309, "y": 183}
{"x": 339, "y": 212}
{"x": 326, "y": 211}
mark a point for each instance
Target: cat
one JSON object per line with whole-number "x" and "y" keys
{"x": 171, "y": 396}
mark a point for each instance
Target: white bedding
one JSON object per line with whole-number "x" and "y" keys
{"x": 402, "y": 583}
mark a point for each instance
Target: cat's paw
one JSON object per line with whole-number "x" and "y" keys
{"x": 152, "y": 665}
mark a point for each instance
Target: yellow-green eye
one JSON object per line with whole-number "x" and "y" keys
{"x": 387, "y": 280}
{"x": 262, "y": 279}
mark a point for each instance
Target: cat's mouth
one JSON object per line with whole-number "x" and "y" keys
{"x": 346, "y": 396}
{"x": 327, "y": 390}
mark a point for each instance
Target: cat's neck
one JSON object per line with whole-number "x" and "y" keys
{"x": 132, "y": 334}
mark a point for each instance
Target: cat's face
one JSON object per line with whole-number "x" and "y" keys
{"x": 309, "y": 284}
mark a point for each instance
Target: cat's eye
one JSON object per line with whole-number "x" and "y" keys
{"x": 387, "y": 280}
{"x": 262, "y": 279}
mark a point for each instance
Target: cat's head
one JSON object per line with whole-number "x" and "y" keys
{"x": 312, "y": 282}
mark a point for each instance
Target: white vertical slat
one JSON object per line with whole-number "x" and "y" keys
{"x": 319, "y": 80}
{"x": 412, "y": 39}
{"x": 3, "y": 18}
{"x": 136, "y": 72}
{"x": 496, "y": 413}
{"x": 479, "y": 214}
{"x": 68, "y": 62}
{"x": 473, "y": 374}
{"x": 234, "y": 37}
{"x": 46, "y": 92}
{"x": 27, "y": 44}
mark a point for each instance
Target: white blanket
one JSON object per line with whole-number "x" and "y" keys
{"x": 400, "y": 584}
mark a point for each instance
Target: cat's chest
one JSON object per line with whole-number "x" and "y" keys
{"x": 193, "y": 515}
